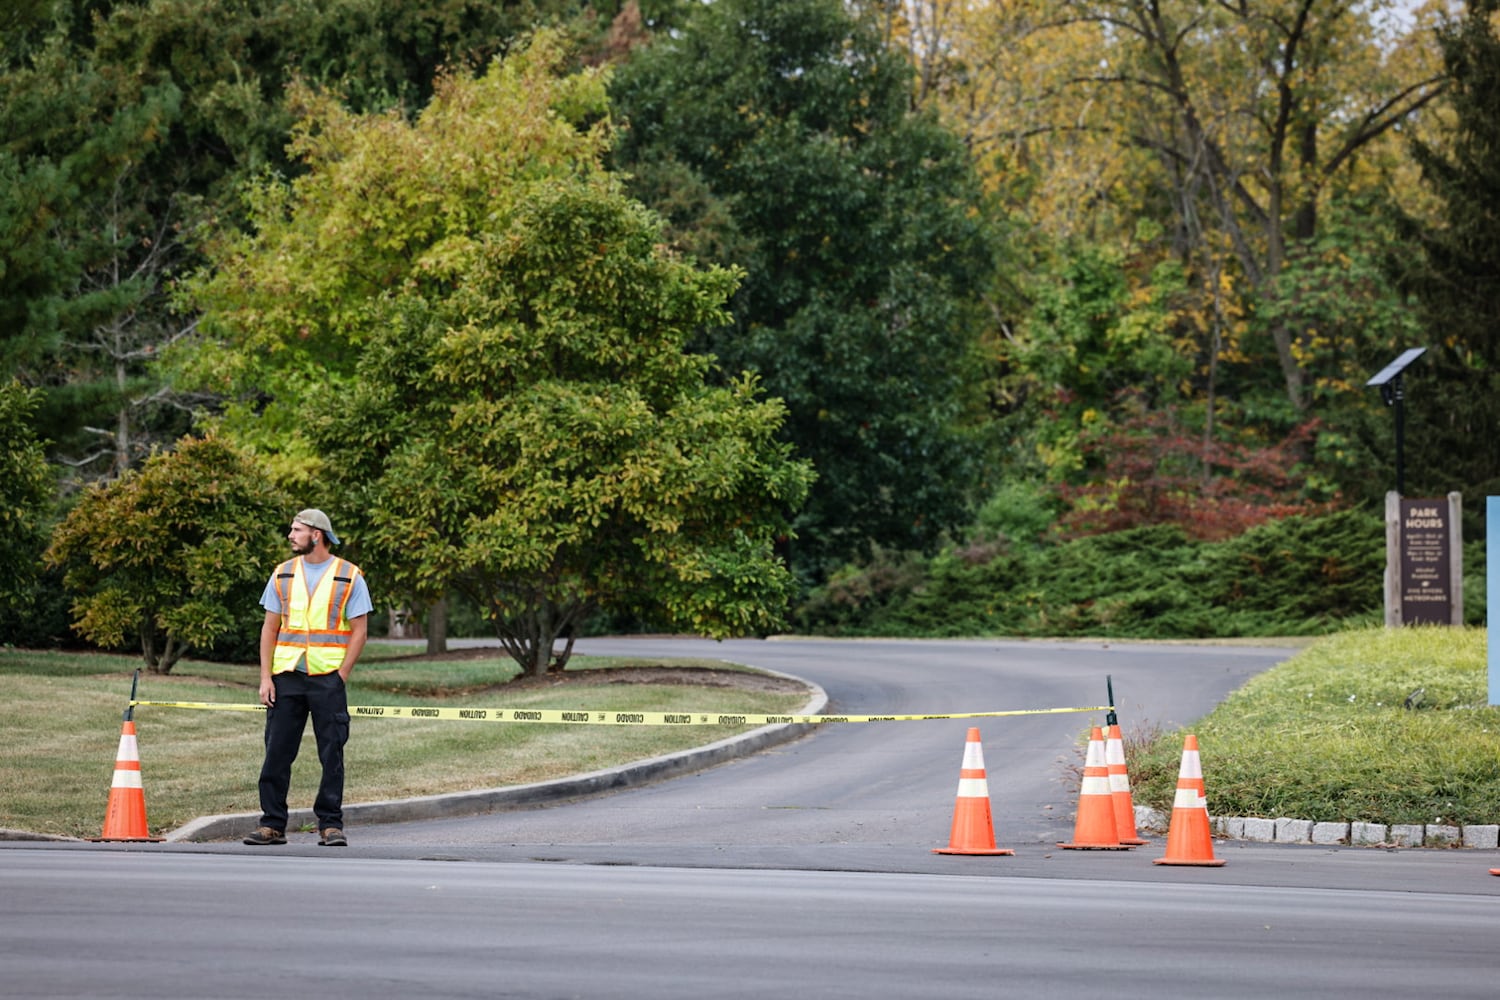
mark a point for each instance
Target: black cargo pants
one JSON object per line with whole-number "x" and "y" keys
{"x": 298, "y": 696}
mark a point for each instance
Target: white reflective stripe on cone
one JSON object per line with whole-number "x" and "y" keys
{"x": 1094, "y": 784}
{"x": 973, "y": 788}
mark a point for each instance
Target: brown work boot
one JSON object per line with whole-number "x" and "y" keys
{"x": 333, "y": 837}
{"x": 265, "y": 836}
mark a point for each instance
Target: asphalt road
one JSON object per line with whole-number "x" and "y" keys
{"x": 885, "y": 784}
{"x": 169, "y": 925}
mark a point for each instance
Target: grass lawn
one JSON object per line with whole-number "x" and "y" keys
{"x": 61, "y": 715}
{"x": 1375, "y": 724}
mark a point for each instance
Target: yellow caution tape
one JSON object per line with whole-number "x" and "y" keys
{"x": 595, "y": 718}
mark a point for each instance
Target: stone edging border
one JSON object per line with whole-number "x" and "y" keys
{"x": 1283, "y": 830}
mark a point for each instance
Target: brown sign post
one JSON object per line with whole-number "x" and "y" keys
{"x": 1424, "y": 561}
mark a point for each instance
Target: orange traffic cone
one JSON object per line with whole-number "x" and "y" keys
{"x": 1189, "y": 840}
{"x": 1094, "y": 829}
{"x": 125, "y": 818}
{"x": 973, "y": 828}
{"x": 1119, "y": 788}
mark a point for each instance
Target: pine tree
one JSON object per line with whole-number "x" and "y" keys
{"x": 779, "y": 138}
{"x": 1454, "y": 397}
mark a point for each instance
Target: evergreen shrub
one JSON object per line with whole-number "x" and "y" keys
{"x": 1303, "y": 575}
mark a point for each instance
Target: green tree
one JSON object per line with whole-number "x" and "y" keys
{"x": 108, "y": 159}
{"x": 172, "y": 555}
{"x": 470, "y": 331}
{"x": 1101, "y": 338}
{"x": 124, "y": 125}
{"x": 25, "y": 496}
{"x": 779, "y": 137}
{"x": 1453, "y": 395}
{"x": 378, "y": 206}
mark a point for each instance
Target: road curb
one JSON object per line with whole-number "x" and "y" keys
{"x": 1285, "y": 830}
{"x": 235, "y": 825}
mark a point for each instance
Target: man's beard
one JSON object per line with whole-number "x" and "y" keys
{"x": 301, "y": 550}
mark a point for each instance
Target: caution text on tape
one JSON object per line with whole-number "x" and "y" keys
{"x": 579, "y": 717}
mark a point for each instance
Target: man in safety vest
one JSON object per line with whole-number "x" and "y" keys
{"x": 317, "y": 619}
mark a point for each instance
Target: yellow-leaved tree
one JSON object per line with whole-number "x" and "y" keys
{"x": 1242, "y": 125}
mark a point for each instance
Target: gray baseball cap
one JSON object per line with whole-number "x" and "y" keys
{"x": 314, "y": 518}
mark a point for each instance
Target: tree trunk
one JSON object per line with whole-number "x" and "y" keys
{"x": 437, "y": 626}
{"x": 543, "y": 631}
{"x": 560, "y": 660}
{"x": 1281, "y": 335}
{"x": 531, "y": 638}
{"x": 122, "y": 422}
{"x": 175, "y": 651}
{"x": 159, "y": 661}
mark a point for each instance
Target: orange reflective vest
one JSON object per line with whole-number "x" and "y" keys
{"x": 313, "y": 624}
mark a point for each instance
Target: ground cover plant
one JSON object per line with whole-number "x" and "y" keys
{"x": 62, "y": 714}
{"x": 1295, "y": 576}
{"x": 1376, "y": 725}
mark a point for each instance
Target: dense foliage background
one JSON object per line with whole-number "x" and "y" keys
{"x": 1069, "y": 306}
